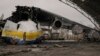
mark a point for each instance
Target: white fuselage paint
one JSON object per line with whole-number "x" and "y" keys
{"x": 27, "y": 26}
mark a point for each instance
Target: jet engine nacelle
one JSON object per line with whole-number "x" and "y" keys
{"x": 77, "y": 29}
{"x": 94, "y": 35}
{"x": 61, "y": 24}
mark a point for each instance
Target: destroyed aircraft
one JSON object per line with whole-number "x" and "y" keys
{"x": 44, "y": 18}
{"x": 24, "y": 31}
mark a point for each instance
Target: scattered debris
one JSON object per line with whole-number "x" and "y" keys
{"x": 34, "y": 46}
{"x": 36, "y": 49}
{"x": 57, "y": 45}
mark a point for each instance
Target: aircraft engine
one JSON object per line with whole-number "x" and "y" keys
{"x": 94, "y": 35}
{"x": 57, "y": 24}
{"x": 61, "y": 24}
{"x": 77, "y": 29}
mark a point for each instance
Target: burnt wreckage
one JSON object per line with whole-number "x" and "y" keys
{"x": 55, "y": 21}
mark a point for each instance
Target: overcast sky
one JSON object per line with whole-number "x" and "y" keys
{"x": 54, "y": 6}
